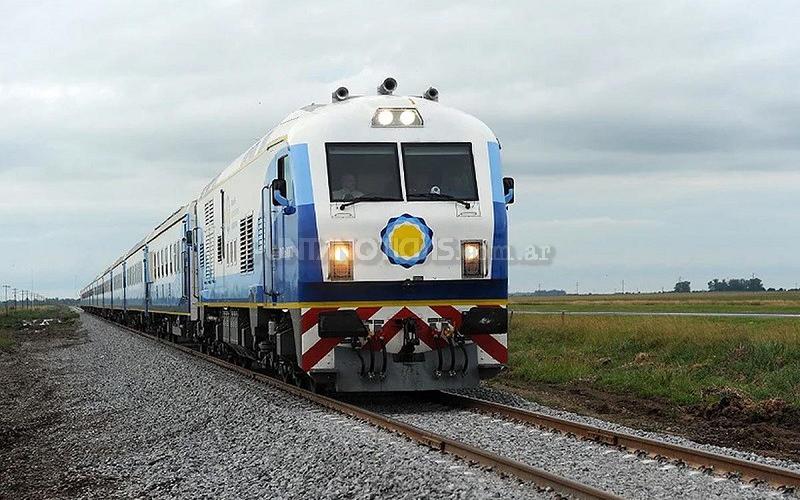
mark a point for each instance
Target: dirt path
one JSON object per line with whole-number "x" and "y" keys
{"x": 36, "y": 415}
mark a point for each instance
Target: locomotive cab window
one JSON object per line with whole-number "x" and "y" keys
{"x": 438, "y": 171}
{"x": 367, "y": 171}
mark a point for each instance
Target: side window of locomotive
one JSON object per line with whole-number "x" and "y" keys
{"x": 285, "y": 173}
{"x": 439, "y": 169}
{"x": 358, "y": 170}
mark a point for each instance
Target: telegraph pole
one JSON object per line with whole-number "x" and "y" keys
{"x": 15, "y": 299}
{"x": 6, "y": 301}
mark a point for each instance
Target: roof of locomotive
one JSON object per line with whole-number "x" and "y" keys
{"x": 353, "y": 114}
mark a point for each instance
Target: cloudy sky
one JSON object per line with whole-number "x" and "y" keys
{"x": 649, "y": 140}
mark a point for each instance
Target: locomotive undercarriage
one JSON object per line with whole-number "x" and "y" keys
{"x": 264, "y": 340}
{"x": 259, "y": 339}
{"x": 363, "y": 363}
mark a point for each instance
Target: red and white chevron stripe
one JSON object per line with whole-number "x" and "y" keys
{"x": 318, "y": 352}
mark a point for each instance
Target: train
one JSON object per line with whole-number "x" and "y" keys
{"x": 360, "y": 245}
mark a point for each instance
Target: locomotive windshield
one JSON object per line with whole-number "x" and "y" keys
{"x": 438, "y": 170}
{"x": 368, "y": 171}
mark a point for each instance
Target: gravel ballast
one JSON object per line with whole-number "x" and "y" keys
{"x": 510, "y": 399}
{"x": 141, "y": 420}
{"x": 604, "y": 467}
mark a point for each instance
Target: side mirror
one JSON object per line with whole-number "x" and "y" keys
{"x": 279, "y": 197}
{"x": 508, "y": 189}
{"x": 278, "y": 192}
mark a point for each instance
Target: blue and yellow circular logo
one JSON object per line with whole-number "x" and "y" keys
{"x": 406, "y": 240}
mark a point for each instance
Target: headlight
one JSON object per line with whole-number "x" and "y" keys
{"x": 385, "y": 118}
{"x": 473, "y": 261}
{"x": 340, "y": 260}
{"x": 407, "y": 117}
{"x": 396, "y": 117}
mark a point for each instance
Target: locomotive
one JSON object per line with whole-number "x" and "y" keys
{"x": 359, "y": 246}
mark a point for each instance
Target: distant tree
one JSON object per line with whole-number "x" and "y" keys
{"x": 549, "y": 293}
{"x": 683, "y": 287}
{"x": 755, "y": 285}
{"x": 736, "y": 285}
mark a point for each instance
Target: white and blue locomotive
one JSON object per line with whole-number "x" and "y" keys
{"x": 359, "y": 246}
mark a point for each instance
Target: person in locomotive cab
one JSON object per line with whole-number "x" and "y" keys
{"x": 348, "y": 189}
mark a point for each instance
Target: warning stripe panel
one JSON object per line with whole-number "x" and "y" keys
{"x": 314, "y": 352}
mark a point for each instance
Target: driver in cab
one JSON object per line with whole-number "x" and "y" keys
{"x": 348, "y": 189}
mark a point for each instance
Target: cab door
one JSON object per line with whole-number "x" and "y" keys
{"x": 283, "y": 243}
{"x": 278, "y": 207}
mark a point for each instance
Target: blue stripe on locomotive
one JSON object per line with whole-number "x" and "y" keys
{"x": 500, "y": 213}
{"x": 297, "y": 262}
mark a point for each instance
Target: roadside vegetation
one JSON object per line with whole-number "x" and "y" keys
{"x": 684, "y": 360}
{"x": 716, "y": 302}
{"x": 33, "y": 319}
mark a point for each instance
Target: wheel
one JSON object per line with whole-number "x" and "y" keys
{"x": 284, "y": 373}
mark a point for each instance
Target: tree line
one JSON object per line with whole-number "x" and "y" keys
{"x": 736, "y": 285}
{"x": 725, "y": 285}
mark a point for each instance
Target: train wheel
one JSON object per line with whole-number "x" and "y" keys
{"x": 307, "y": 383}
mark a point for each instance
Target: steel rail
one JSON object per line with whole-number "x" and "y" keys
{"x": 718, "y": 463}
{"x": 540, "y": 477}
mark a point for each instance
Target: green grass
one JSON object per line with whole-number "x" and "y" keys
{"x": 5, "y": 341}
{"x": 15, "y": 317}
{"x": 683, "y": 359}
{"x": 728, "y": 302}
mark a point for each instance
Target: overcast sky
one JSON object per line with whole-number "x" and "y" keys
{"x": 649, "y": 140}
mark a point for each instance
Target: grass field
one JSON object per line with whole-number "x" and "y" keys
{"x": 15, "y": 319}
{"x": 726, "y": 302}
{"x": 686, "y": 360}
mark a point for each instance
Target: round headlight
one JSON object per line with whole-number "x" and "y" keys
{"x": 407, "y": 117}
{"x": 385, "y": 117}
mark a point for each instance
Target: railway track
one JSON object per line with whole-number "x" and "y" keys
{"x": 716, "y": 463}
{"x": 542, "y": 478}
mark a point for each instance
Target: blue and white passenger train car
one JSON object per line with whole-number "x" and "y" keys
{"x": 358, "y": 246}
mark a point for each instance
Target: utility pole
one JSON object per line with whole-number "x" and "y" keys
{"x": 576, "y": 288}
{"x": 6, "y": 296}
{"x": 15, "y": 299}
{"x": 623, "y": 287}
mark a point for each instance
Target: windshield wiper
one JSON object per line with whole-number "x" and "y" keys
{"x": 359, "y": 199}
{"x": 438, "y": 196}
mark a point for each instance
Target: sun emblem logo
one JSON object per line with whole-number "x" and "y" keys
{"x": 406, "y": 240}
